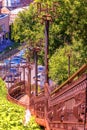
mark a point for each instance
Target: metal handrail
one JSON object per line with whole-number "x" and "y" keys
{"x": 78, "y": 73}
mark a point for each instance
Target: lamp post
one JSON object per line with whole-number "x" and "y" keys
{"x": 46, "y": 49}
{"x": 47, "y": 18}
{"x": 23, "y": 67}
{"x": 85, "y": 109}
{"x": 9, "y": 67}
{"x": 36, "y": 50}
{"x": 29, "y": 80}
{"x": 69, "y": 55}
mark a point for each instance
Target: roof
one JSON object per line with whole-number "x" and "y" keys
{"x": 17, "y": 10}
{"x": 3, "y": 15}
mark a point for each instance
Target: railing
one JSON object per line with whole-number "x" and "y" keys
{"x": 65, "y": 108}
{"x": 17, "y": 90}
{"x": 62, "y": 108}
{"x": 77, "y": 74}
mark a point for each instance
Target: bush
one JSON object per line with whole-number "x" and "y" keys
{"x": 12, "y": 115}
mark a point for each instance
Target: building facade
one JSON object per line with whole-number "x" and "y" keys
{"x": 0, "y": 5}
{"x": 4, "y": 26}
{"x": 8, "y": 12}
{"x": 13, "y": 7}
{"x": 16, "y": 3}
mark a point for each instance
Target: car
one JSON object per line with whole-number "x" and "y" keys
{"x": 9, "y": 78}
{"x": 41, "y": 68}
{"x": 38, "y": 76}
{"x": 40, "y": 79}
{"x": 13, "y": 70}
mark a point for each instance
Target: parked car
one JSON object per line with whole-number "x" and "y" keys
{"x": 10, "y": 78}
{"x": 38, "y": 77}
{"x": 41, "y": 68}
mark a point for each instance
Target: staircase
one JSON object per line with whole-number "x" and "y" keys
{"x": 62, "y": 109}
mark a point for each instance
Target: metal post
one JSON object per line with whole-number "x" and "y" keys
{"x": 20, "y": 76}
{"x": 46, "y": 50}
{"x": 11, "y": 80}
{"x": 85, "y": 106}
{"x": 24, "y": 74}
{"x": 36, "y": 58}
{"x": 8, "y": 82}
{"x": 29, "y": 80}
{"x": 68, "y": 66}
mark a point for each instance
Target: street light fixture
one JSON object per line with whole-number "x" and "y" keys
{"x": 35, "y": 51}
{"x": 47, "y": 18}
{"x": 29, "y": 79}
{"x": 69, "y": 54}
{"x": 10, "y": 58}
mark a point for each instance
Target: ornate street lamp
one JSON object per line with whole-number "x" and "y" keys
{"x": 47, "y": 18}
{"x": 29, "y": 80}
{"x": 35, "y": 52}
{"x": 10, "y": 58}
{"x": 69, "y": 54}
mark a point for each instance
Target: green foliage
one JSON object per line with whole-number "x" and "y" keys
{"x": 69, "y": 23}
{"x": 59, "y": 61}
{"x": 2, "y": 89}
{"x": 32, "y": 125}
{"x": 69, "y": 27}
{"x": 12, "y": 115}
{"x": 26, "y": 26}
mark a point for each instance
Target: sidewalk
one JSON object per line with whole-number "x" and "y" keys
{"x": 25, "y": 100}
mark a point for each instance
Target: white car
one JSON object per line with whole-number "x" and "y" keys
{"x": 40, "y": 79}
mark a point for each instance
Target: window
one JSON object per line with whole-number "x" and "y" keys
{"x": 2, "y": 28}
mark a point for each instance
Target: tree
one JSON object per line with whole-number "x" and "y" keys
{"x": 58, "y": 63}
{"x": 69, "y": 26}
{"x": 26, "y": 26}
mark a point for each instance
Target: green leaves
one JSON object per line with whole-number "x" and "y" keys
{"x": 12, "y": 115}
{"x": 26, "y": 26}
{"x": 69, "y": 26}
{"x": 59, "y": 61}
